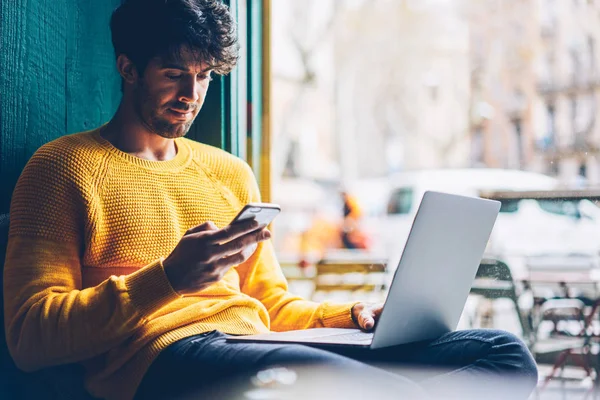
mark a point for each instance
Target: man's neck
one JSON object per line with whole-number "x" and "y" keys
{"x": 130, "y": 136}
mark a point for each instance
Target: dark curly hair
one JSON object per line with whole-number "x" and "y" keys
{"x": 145, "y": 29}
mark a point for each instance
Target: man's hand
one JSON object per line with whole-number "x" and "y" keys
{"x": 366, "y": 315}
{"x": 205, "y": 254}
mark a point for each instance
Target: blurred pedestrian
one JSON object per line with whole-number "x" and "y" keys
{"x": 351, "y": 235}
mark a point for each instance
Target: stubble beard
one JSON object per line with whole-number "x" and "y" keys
{"x": 155, "y": 123}
{"x": 167, "y": 129}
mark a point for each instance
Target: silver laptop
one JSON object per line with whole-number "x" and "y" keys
{"x": 431, "y": 284}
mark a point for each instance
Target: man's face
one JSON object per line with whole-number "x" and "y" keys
{"x": 169, "y": 94}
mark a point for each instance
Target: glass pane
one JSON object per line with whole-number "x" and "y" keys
{"x": 376, "y": 102}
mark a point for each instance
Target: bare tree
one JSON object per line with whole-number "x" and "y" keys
{"x": 306, "y": 34}
{"x": 382, "y": 49}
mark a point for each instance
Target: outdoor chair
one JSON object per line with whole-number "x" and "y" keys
{"x": 355, "y": 279}
{"x": 585, "y": 356}
{"x": 494, "y": 281}
{"x": 300, "y": 275}
{"x": 557, "y": 310}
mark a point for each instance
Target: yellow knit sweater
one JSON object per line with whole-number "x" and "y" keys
{"x": 84, "y": 282}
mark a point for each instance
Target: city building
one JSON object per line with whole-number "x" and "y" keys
{"x": 503, "y": 84}
{"x": 568, "y": 89}
{"x": 534, "y": 80}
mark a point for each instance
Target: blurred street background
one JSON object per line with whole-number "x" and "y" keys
{"x": 376, "y": 101}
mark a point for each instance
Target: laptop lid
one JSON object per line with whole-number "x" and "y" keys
{"x": 437, "y": 268}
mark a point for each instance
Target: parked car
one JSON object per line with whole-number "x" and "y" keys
{"x": 525, "y": 227}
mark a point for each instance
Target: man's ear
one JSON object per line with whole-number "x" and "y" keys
{"x": 127, "y": 69}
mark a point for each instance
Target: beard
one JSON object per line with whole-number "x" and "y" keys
{"x": 148, "y": 111}
{"x": 167, "y": 129}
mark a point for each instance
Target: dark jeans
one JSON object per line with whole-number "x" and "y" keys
{"x": 468, "y": 364}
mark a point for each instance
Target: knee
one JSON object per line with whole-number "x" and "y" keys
{"x": 295, "y": 354}
{"x": 510, "y": 351}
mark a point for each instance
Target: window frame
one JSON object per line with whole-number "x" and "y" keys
{"x": 236, "y": 113}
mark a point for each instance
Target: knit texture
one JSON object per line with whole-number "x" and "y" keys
{"x": 83, "y": 279}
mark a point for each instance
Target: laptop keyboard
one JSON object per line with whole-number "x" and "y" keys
{"x": 350, "y": 337}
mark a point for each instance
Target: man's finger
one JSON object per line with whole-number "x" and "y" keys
{"x": 207, "y": 226}
{"x": 368, "y": 323}
{"x": 239, "y": 244}
{"x": 234, "y": 259}
{"x": 366, "y": 320}
{"x": 234, "y": 231}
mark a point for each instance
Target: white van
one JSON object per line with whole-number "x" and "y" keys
{"x": 524, "y": 227}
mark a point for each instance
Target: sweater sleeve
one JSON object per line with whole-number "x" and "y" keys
{"x": 49, "y": 318}
{"x": 261, "y": 277}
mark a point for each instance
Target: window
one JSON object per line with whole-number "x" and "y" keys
{"x": 232, "y": 115}
{"x": 551, "y": 124}
{"x": 477, "y": 148}
{"x": 385, "y": 99}
{"x": 592, "y": 54}
{"x": 519, "y": 140}
{"x": 401, "y": 202}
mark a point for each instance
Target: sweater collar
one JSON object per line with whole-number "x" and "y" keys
{"x": 180, "y": 160}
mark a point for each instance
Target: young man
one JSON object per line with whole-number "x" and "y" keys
{"x": 121, "y": 257}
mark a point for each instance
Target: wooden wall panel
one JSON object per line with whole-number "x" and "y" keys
{"x": 32, "y": 58}
{"x": 93, "y": 87}
{"x": 57, "y": 76}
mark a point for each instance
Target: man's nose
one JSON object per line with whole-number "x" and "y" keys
{"x": 189, "y": 92}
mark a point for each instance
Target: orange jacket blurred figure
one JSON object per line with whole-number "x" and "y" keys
{"x": 351, "y": 235}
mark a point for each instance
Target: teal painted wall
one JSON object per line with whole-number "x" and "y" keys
{"x": 57, "y": 76}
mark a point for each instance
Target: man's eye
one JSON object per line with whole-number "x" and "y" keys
{"x": 173, "y": 77}
{"x": 205, "y": 78}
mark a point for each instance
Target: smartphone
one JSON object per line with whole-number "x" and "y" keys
{"x": 264, "y": 213}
